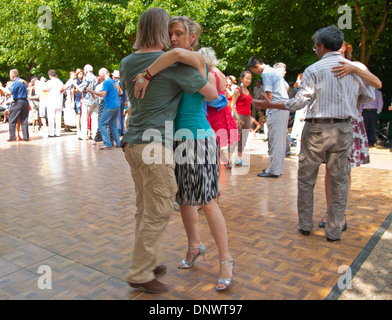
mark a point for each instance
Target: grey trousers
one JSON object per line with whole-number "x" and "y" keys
{"x": 331, "y": 143}
{"x": 19, "y": 109}
{"x": 277, "y": 139}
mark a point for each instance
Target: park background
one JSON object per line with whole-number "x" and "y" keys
{"x": 67, "y": 34}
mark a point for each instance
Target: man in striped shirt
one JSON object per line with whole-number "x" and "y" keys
{"x": 327, "y": 135}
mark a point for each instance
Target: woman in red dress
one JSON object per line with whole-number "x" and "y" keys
{"x": 220, "y": 120}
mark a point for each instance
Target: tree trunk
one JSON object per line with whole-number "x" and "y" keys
{"x": 367, "y": 44}
{"x": 29, "y": 67}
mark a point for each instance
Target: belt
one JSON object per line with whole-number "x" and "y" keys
{"x": 327, "y": 120}
{"x": 370, "y": 109}
{"x": 124, "y": 145}
{"x": 20, "y": 99}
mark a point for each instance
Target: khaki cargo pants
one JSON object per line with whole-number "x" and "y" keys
{"x": 152, "y": 170}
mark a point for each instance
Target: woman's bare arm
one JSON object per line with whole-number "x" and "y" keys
{"x": 360, "y": 70}
{"x": 234, "y": 100}
{"x": 209, "y": 92}
{"x": 188, "y": 57}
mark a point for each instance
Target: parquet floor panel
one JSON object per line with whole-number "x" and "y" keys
{"x": 70, "y": 206}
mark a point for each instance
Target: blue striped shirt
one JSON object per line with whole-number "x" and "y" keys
{"x": 328, "y": 96}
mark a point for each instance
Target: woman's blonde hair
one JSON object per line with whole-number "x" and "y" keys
{"x": 232, "y": 78}
{"x": 191, "y": 26}
{"x": 209, "y": 54}
{"x": 153, "y": 29}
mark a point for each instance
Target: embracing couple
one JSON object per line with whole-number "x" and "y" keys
{"x": 175, "y": 93}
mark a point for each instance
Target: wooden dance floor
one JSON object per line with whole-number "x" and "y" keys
{"x": 70, "y": 206}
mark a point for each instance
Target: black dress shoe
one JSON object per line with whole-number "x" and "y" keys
{"x": 153, "y": 286}
{"x": 303, "y": 232}
{"x": 332, "y": 240}
{"x": 267, "y": 175}
{"x": 10, "y": 140}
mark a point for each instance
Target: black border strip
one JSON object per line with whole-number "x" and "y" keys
{"x": 336, "y": 292}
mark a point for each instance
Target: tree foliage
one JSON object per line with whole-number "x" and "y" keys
{"x": 103, "y": 32}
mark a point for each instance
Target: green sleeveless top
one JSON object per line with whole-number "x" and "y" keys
{"x": 190, "y": 122}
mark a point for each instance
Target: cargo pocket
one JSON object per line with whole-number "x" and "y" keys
{"x": 165, "y": 188}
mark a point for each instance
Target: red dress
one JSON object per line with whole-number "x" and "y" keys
{"x": 222, "y": 122}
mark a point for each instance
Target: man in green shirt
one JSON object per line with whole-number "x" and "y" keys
{"x": 147, "y": 144}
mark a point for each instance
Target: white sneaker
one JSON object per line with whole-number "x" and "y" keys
{"x": 240, "y": 163}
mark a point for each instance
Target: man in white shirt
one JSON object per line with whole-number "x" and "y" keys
{"x": 277, "y": 120}
{"x": 327, "y": 134}
{"x": 55, "y": 90}
{"x": 89, "y": 103}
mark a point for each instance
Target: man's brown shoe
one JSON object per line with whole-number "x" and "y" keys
{"x": 159, "y": 270}
{"x": 153, "y": 286}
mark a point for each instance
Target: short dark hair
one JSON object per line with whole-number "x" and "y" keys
{"x": 52, "y": 73}
{"x": 253, "y": 62}
{"x": 331, "y": 37}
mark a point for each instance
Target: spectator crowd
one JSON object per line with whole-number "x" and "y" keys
{"x": 51, "y": 106}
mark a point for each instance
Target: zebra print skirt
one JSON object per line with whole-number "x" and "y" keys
{"x": 197, "y": 170}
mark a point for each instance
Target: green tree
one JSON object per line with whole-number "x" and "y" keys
{"x": 373, "y": 18}
{"x": 101, "y": 33}
{"x": 21, "y": 39}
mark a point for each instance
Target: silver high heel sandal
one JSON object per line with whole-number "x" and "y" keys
{"x": 184, "y": 264}
{"x": 226, "y": 282}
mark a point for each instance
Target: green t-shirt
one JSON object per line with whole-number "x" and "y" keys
{"x": 152, "y": 118}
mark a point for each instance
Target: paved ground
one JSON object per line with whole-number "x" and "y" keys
{"x": 373, "y": 281}
{"x": 68, "y": 205}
